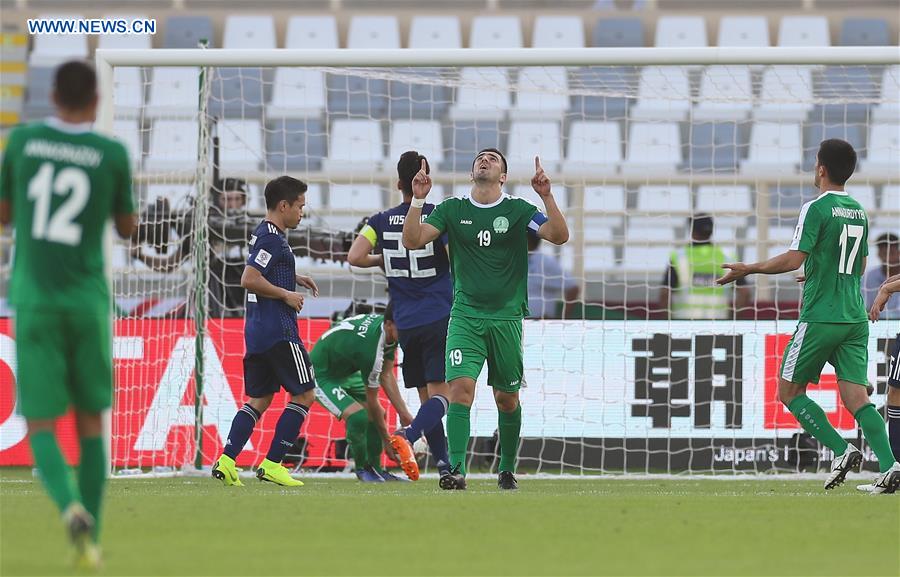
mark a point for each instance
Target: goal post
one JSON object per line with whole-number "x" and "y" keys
{"x": 636, "y": 142}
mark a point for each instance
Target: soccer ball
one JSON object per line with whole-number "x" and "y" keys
{"x": 420, "y": 449}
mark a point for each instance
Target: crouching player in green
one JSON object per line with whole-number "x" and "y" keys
{"x": 352, "y": 360}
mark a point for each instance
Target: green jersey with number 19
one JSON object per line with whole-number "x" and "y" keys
{"x": 833, "y": 231}
{"x": 63, "y": 182}
{"x": 488, "y": 254}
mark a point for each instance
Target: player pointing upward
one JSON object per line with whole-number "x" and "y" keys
{"x": 488, "y": 235}
{"x": 830, "y": 243}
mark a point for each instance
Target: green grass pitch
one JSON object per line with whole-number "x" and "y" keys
{"x": 194, "y": 526}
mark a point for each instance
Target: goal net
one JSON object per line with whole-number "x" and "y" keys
{"x": 627, "y": 369}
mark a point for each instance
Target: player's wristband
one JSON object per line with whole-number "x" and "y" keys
{"x": 417, "y": 202}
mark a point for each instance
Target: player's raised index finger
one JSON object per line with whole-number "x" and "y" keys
{"x": 537, "y": 163}
{"x": 423, "y": 168}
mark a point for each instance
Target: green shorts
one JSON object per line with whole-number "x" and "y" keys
{"x": 64, "y": 359}
{"x": 336, "y": 395}
{"x": 471, "y": 342}
{"x": 845, "y": 346}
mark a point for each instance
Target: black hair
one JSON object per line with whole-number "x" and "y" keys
{"x": 283, "y": 188}
{"x": 75, "y": 84}
{"x": 389, "y": 311}
{"x": 407, "y": 167}
{"x": 838, "y": 158}
{"x": 495, "y": 151}
{"x": 701, "y": 226}
{"x": 228, "y": 184}
{"x": 888, "y": 239}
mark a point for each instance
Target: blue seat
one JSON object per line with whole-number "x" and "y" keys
{"x": 414, "y": 101}
{"x": 187, "y": 31}
{"x": 618, "y": 33}
{"x": 357, "y": 96}
{"x": 787, "y": 200}
{"x": 865, "y": 32}
{"x": 845, "y": 83}
{"x": 716, "y": 147}
{"x": 464, "y": 138}
{"x": 38, "y": 101}
{"x": 815, "y": 132}
{"x": 237, "y": 93}
{"x": 297, "y": 144}
{"x": 606, "y": 79}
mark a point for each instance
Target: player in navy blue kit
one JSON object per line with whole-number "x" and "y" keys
{"x": 275, "y": 356}
{"x": 421, "y": 291}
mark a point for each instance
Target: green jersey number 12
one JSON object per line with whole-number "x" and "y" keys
{"x": 850, "y": 231}
{"x": 60, "y": 227}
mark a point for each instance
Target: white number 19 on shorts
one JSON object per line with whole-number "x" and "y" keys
{"x": 456, "y": 357}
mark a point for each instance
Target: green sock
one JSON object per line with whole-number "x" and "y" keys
{"x": 458, "y": 427}
{"x": 813, "y": 420}
{"x": 873, "y": 429}
{"x": 55, "y": 472}
{"x": 92, "y": 478}
{"x": 356, "y": 437}
{"x": 374, "y": 445}
{"x": 509, "y": 425}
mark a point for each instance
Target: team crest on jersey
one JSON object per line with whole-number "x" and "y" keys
{"x": 501, "y": 225}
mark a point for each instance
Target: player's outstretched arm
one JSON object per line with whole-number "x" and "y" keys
{"x": 415, "y": 233}
{"x": 889, "y": 287}
{"x": 376, "y": 415}
{"x": 255, "y": 282}
{"x": 784, "y": 262}
{"x": 360, "y": 253}
{"x": 555, "y": 230}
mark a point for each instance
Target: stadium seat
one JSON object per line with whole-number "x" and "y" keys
{"x": 890, "y": 198}
{"x": 593, "y": 147}
{"x": 128, "y": 41}
{"x": 639, "y": 255}
{"x": 652, "y": 149}
{"x": 803, "y": 31}
{"x": 128, "y": 132}
{"x": 779, "y": 241}
{"x": 864, "y": 195}
{"x": 786, "y": 94}
{"x": 240, "y": 145}
{"x": 173, "y": 146}
{"x": 237, "y": 92}
{"x": 38, "y": 103}
{"x": 542, "y": 93}
{"x": 618, "y": 33}
{"x": 312, "y": 32}
{"x": 558, "y": 32}
{"x": 664, "y": 199}
{"x": 475, "y": 101}
{"x": 373, "y": 32}
{"x": 748, "y": 31}
{"x": 51, "y": 50}
{"x": 295, "y": 144}
{"x": 465, "y": 138}
{"x": 315, "y": 198}
{"x": 128, "y": 91}
{"x": 603, "y": 80}
{"x": 429, "y": 99}
{"x": 355, "y": 144}
{"x": 529, "y": 139}
{"x": 883, "y": 150}
{"x": 598, "y": 257}
{"x": 249, "y": 32}
{"x": 560, "y": 194}
{"x": 849, "y": 89}
{"x": 421, "y": 135}
{"x": 600, "y": 199}
{"x": 774, "y": 149}
{"x": 814, "y": 133}
{"x": 786, "y": 200}
{"x": 664, "y": 93}
{"x": 355, "y": 197}
{"x": 726, "y": 93}
{"x": 865, "y": 32}
{"x": 680, "y": 31}
{"x": 716, "y": 146}
{"x": 297, "y": 93}
{"x": 174, "y": 93}
{"x": 723, "y": 202}
{"x": 188, "y": 31}
{"x": 888, "y": 110}
{"x": 496, "y": 32}
{"x": 435, "y": 32}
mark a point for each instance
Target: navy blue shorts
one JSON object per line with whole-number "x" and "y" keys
{"x": 894, "y": 365}
{"x": 284, "y": 365}
{"x": 424, "y": 352}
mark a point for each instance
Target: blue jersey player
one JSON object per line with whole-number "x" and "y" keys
{"x": 275, "y": 356}
{"x": 421, "y": 292}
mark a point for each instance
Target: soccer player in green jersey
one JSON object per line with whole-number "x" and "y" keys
{"x": 830, "y": 243}
{"x": 488, "y": 237}
{"x": 352, "y": 360}
{"x": 59, "y": 184}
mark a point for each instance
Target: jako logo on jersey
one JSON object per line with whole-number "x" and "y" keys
{"x": 501, "y": 225}
{"x": 465, "y": 221}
